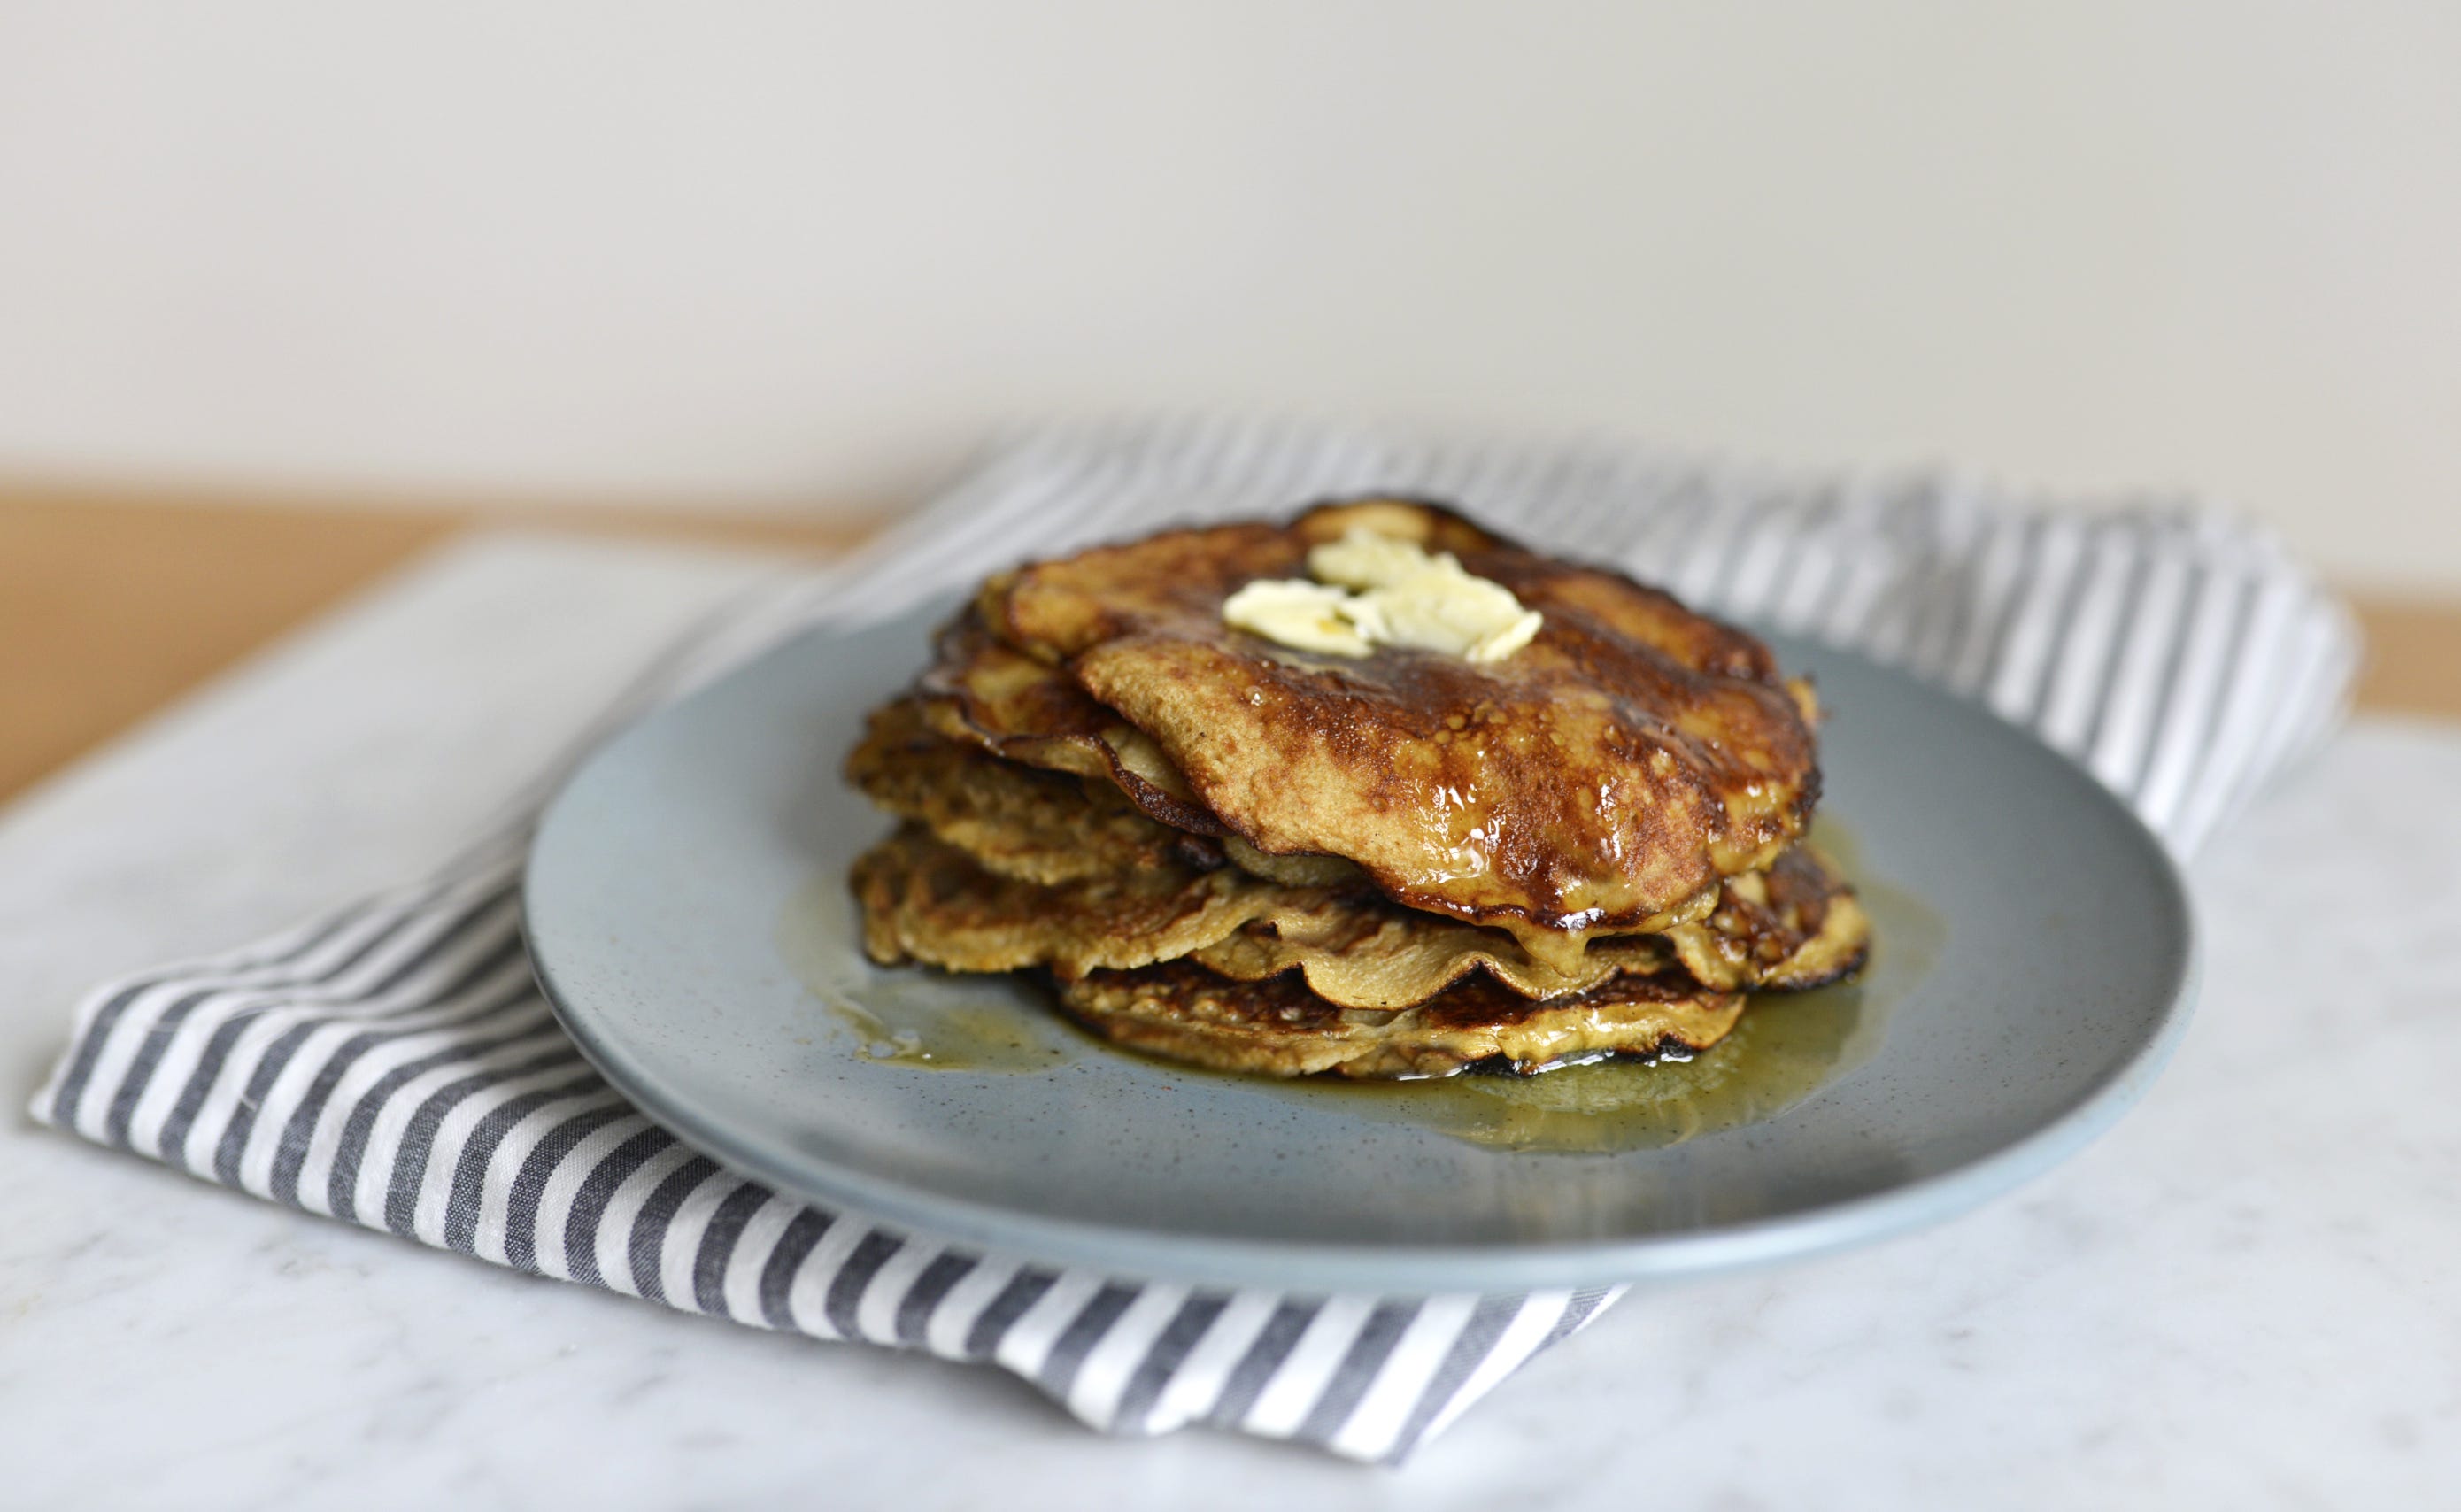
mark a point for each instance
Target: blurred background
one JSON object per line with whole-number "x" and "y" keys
{"x": 791, "y": 261}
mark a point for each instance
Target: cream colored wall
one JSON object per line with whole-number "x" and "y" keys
{"x": 776, "y": 251}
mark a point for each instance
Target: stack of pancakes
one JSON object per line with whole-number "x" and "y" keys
{"x": 1225, "y": 850}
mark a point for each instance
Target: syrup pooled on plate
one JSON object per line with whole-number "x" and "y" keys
{"x": 1788, "y": 1046}
{"x": 896, "y": 1018}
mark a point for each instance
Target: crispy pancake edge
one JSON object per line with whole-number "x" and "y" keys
{"x": 1015, "y": 819}
{"x": 985, "y": 692}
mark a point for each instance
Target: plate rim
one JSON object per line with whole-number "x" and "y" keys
{"x": 1425, "y": 1268}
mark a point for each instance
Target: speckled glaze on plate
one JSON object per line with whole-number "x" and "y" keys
{"x": 664, "y": 872}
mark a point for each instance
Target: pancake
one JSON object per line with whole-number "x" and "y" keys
{"x": 1014, "y": 819}
{"x": 1278, "y": 1028}
{"x": 1359, "y": 952}
{"x": 1769, "y": 935}
{"x": 926, "y": 900}
{"x": 989, "y": 694}
{"x": 1601, "y": 779}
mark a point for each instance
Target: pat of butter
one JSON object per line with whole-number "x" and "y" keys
{"x": 1311, "y": 616}
{"x": 1376, "y": 591}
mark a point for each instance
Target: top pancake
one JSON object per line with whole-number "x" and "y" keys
{"x": 1603, "y": 778}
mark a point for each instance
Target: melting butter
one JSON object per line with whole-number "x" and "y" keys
{"x": 1370, "y": 589}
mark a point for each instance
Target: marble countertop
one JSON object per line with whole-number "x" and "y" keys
{"x": 2246, "y": 1295}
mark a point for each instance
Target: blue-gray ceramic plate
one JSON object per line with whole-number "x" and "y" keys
{"x": 688, "y": 916}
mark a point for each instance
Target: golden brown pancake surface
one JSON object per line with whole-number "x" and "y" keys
{"x": 1017, "y": 820}
{"x": 989, "y": 694}
{"x": 926, "y": 900}
{"x": 1796, "y": 925}
{"x": 1601, "y": 779}
{"x": 1278, "y": 1028}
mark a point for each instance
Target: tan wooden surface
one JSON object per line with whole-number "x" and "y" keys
{"x": 112, "y": 604}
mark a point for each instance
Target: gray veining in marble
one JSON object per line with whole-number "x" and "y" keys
{"x": 2246, "y": 1295}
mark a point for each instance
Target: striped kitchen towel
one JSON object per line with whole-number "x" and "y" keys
{"x": 392, "y": 1063}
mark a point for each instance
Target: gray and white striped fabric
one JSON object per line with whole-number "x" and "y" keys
{"x": 391, "y": 1064}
